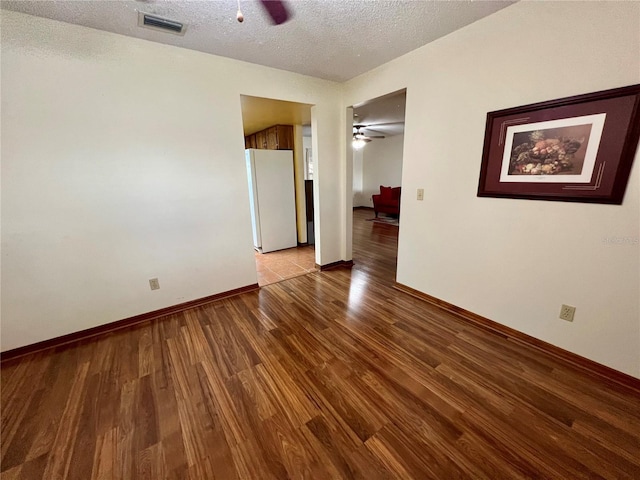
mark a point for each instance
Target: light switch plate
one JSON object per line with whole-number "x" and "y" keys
{"x": 567, "y": 312}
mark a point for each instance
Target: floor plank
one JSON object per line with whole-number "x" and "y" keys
{"x": 331, "y": 375}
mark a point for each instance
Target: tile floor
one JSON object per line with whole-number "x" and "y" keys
{"x": 277, "y": 266}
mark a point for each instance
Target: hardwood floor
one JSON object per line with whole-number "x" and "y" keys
{"x": 375, "y": 247}
{"x": 325, "y": 376}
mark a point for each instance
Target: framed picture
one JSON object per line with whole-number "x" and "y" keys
{"x": 574, "y": 149}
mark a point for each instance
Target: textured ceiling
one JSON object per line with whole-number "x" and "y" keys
{"x": 331, "y": 39}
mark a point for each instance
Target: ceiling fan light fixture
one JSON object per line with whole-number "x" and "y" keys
{"x": 358, "y": 143}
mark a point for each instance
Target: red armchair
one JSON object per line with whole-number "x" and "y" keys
{"x": 388, "y": 201}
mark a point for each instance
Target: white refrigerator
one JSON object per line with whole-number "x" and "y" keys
{"x": 272, "y": 199}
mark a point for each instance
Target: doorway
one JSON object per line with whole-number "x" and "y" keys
{"x": 280, "y": 174}
{"x": 378, "y": 146}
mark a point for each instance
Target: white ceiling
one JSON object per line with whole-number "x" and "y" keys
{"x": 383, "y": 115}
{"x": 331, "y": 39}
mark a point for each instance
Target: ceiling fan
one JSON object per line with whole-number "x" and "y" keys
{"x": 276, "y": 9}
{"x": 360, "y": 139}
{"x": 357, "y": 132}
{"x": 278, "y": 12}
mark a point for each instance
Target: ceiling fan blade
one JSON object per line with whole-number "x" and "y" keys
{"x": 372, "y": 130}
{"x": 277, "y": 10}
{"x": 374, "y": 125}
{"x": 384, "y": 124}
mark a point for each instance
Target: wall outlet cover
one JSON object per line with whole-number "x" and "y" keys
{"x": 154, "y": 284}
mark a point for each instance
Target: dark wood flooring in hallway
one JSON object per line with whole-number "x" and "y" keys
{"x": 332, "y": 375}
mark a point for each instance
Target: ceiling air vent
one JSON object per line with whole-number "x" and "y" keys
{"x": 158, "y": 23}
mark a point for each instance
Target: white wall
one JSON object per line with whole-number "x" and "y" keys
{"x": 123, "y": 160}
{"x": 380, "y": 163}
{"x": 517, "y": 261}
{"x": 301, "y": 204}
{"x": 307, "y": 144}
{"x": 359, "y": 199}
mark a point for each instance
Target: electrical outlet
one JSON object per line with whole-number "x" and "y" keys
{"x": 567, "y": 312}
{"x": 154, "y": 284}
{"x": 421, "y": 194}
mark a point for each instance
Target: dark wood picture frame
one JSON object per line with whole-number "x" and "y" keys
{"x": 574, "y": 149}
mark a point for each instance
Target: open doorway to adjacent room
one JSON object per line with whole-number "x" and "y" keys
{"x": 378, "y": 143}
{"x": 278, "y": 156}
